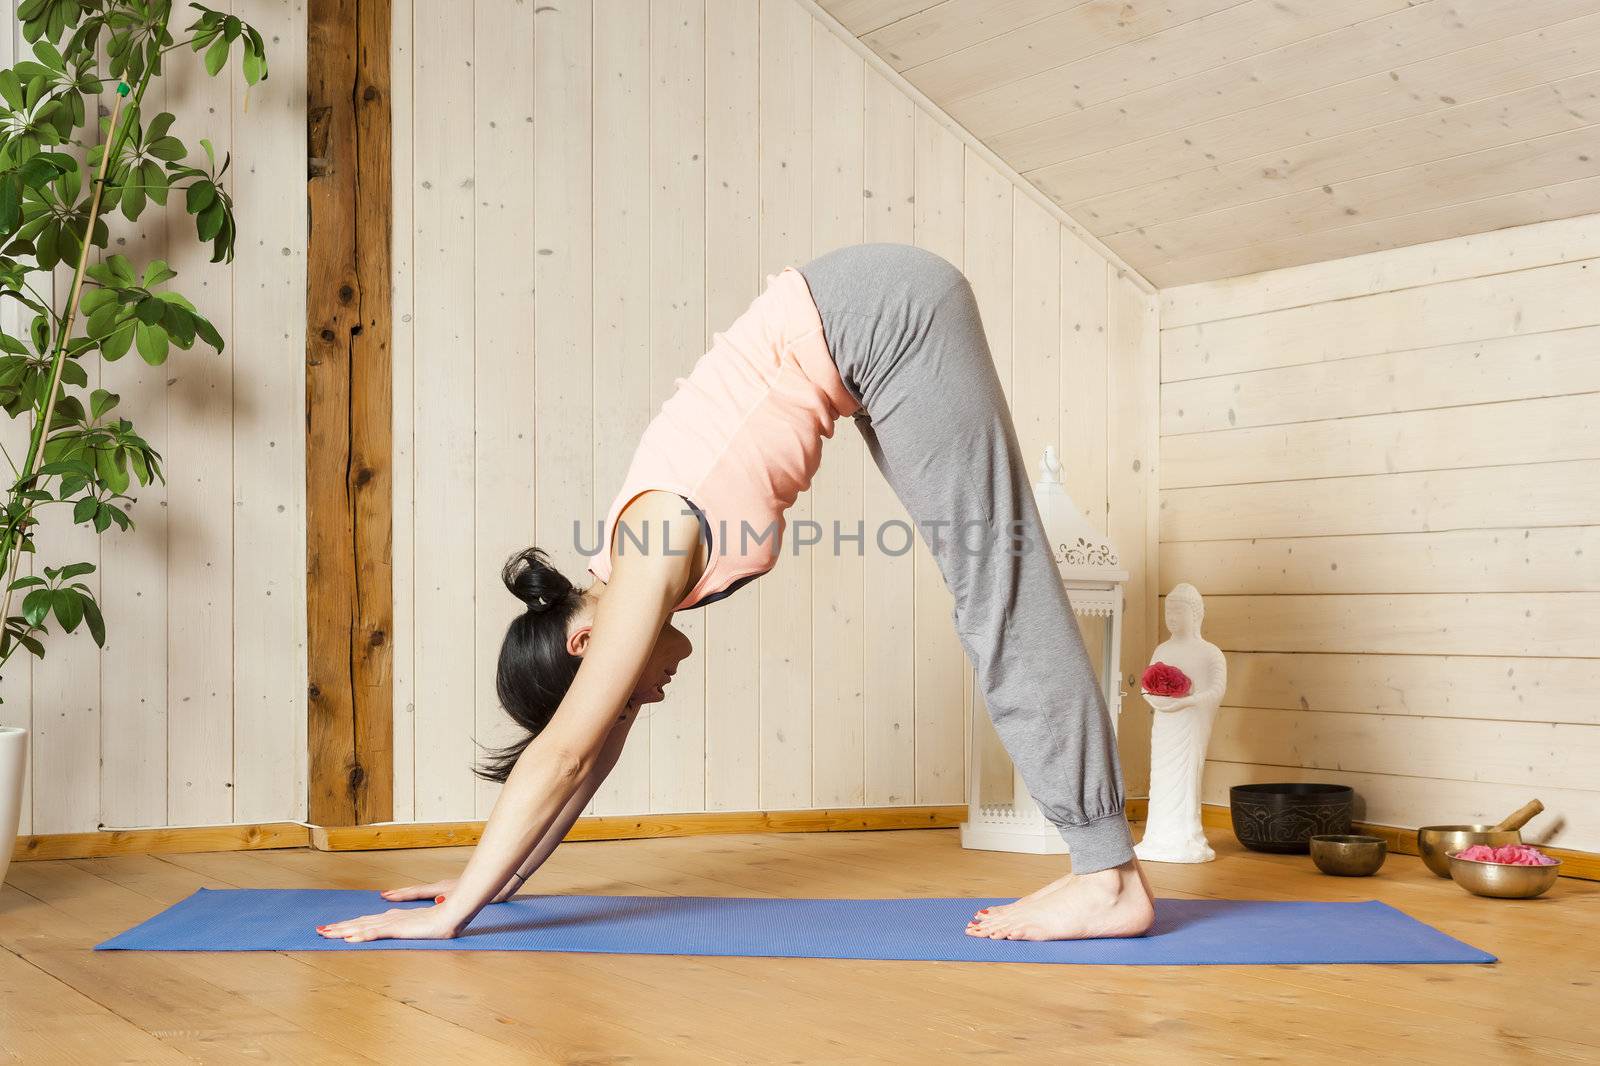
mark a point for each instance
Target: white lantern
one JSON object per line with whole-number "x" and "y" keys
{"x": 1094, "y": 582}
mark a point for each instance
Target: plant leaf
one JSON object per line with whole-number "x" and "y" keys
{"x": 149, "y": 310}
{"x": 97, "y": 624}
{"x": 200, "y": 196}
{"x": 94, "y": 299}
{"x": 115, "y": 345}
{"x": 209, "y": 222}
{"x": 156, "y": 272}
{"x": 101, "y": 401}
{"x": 153, "y": 344}
{"x": 36, "y": 606}
{"x": 68, "y": 606}
{"x": 216, "y": 55}
{"x": 122, "y": 269}
{"x": 159, "y": 126}
{"x": 112, "y": 474}
{"x": 208, "y": 332}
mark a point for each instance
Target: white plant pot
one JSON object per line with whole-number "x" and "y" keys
{"x": 13, "y": 763}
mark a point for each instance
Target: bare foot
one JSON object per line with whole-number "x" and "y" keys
{"x": 1108, "y": 903}
{"x": 1059, "y": 882}
{"x": 1001, "y": 908}
{"x": 1143, "y": 880}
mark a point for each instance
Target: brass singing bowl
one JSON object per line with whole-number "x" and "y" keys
{"x": 1503, "y": 880}
{"x": 1434, "y": 841}
{"x": 1348, "y": 855}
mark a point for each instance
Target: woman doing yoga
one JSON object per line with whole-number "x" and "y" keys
{"x": 888, "y": 334}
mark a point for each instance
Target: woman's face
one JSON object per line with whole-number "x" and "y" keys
{"x": 672, "y": 647}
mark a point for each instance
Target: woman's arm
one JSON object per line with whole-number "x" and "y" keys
{"x": 645, "y": 586}
{"x": 609, "y": 754}
{"x": 558, "y": 832}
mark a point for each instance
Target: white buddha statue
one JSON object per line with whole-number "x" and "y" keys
{"x": 1179, "y": 734}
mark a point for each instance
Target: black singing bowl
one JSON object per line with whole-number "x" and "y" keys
{"x": 1284, "y": 817}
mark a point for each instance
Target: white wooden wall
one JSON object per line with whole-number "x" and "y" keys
{"x": 584, "y": 192}
{"x": 194, "y": 712}
{"x": 1384, "y": 474}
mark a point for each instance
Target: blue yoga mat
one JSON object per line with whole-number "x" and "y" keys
{"x": 1188, "y": 932}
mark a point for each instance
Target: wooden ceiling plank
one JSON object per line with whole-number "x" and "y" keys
{"x": 1083, "y": 30}
{"x": 1520, "y": 167}
{"x": 864, "y": 16}
{"x": 1542, "y": 111}
{"x": 977, "y": 147}
{"x": 1211, "y": 138}
{"x": 954, "y": 25}
{"x": 1435, "y": 84}
{"x": 1218, "y": 39}
{"x": 1382, "y": 46}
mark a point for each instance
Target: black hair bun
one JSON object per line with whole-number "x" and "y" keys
{"x": 532, "y": 579}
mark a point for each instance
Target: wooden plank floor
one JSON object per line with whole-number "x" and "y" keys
{"x": 60, "y": 1003}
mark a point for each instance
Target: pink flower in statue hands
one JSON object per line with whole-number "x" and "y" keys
{"x": 1159, "y": 679}
{"x": 1507, "y": 855}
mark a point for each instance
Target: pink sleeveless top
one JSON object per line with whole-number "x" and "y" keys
{"x": 740, "y": 438}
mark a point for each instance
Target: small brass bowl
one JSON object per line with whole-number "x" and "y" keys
{"x": 1347, "y": 855}
{"x": 1503, "y": 880}
{"x": 1433, "y": 841}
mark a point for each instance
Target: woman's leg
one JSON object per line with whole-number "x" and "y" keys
{"x": 904, "y": 330}
{"x": 941, "y": 432}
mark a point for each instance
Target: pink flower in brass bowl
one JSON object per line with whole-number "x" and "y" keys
{"x": 1507, "y": 854}
{"x": 1160, "y": 679}
{"x": 1511, "y": 871}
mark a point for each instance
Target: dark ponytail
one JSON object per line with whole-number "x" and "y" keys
{"x": 535, "y": 668}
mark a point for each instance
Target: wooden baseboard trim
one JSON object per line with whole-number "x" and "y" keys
{"x": 259, "y": 837}
{"x": 1584, "y": 865}
{"x": 635, "y": 827}
{"x": 174, "y": 841}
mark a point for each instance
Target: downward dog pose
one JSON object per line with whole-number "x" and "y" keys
{"x": 888, "y": 334}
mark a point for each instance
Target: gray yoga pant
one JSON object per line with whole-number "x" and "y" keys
{"x": 904, "y": 331}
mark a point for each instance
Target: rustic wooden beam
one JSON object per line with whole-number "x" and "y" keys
{"x": 349, "y": 604}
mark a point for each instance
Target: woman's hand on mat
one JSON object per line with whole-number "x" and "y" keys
{"x": 420, "y": 923}
{"x": 436, "y": 892}
{"x": 439, "y": 891}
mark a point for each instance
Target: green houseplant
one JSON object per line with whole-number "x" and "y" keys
{"x": 64, "y": 170}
